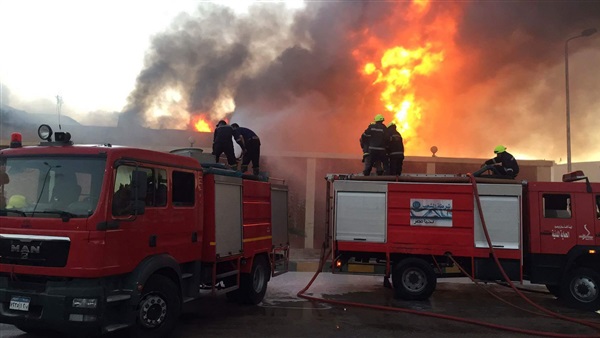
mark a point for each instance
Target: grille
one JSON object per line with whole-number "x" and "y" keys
{"x": 34, "y": 252}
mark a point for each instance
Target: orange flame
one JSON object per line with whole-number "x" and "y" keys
{"x": 417, "y": 51}
{"x": 201, "y": 125}
{"x": 396, "y": 71}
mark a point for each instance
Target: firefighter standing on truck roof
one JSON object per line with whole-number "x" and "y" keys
{"x": 364, "y": 146}
{"x": 223, "y": 143}
{"x": 250, "y": 144}
{"x": 395, "y": 150}
{"x": 376, "y": 136}
{"x": 504, "y": 164}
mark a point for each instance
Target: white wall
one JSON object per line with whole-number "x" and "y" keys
{"x": 590, "y": 169}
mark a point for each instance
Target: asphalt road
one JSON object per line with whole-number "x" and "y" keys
{"x": 282, "y": 314}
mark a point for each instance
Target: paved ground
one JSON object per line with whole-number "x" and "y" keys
{"x": 282, "y": 314}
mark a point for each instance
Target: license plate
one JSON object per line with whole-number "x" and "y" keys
{"x": 19, "y": 303}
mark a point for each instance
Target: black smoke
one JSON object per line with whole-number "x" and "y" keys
{"x": 294, "y": 79}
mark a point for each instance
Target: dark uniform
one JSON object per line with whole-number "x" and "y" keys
{"x": 223, "y": 143}
{"x": 250, "y": 144}
{"x": 509, "y": 166}
{"x": 395, "y": 150}
{"x": 376, "y": 136}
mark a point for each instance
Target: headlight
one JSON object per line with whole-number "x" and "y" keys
{"x": 85, "y": 303}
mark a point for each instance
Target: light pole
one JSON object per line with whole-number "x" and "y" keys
{"x": 584, "y": 33}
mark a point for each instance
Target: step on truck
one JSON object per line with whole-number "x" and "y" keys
{"x": 95, "y": 239}
{"x": 417, "y": 228}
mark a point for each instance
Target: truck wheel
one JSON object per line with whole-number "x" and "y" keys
{"x": 554, "y": 290}
{"x": 158, "y": 308}
{"x": 254, "y": 285}
{"x": 413, "y": 279}
{"x": 581, "y": 289}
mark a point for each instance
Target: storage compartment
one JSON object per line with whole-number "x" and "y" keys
{"x": 279, "y": 214}
{"x": 228, "y": 215}
{"x": 361, "y": 211}
{"x": 501, "y": 205}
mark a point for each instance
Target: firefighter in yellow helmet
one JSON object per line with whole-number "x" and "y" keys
{"x": 504, "y": 165}
{"x": 375, "y": 137}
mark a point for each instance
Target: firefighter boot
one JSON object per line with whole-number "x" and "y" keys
{"x": 256, "y": 171}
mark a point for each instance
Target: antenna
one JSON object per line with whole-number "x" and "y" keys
{"x": 59, "y": 102}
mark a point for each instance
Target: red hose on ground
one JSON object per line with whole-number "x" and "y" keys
{"x": 506, "y": 278}
{"x": 325, "y": 252}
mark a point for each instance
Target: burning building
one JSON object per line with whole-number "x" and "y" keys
{"x": 464, "y": 75}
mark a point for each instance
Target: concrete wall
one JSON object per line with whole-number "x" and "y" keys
{"x": 590, "y": 169}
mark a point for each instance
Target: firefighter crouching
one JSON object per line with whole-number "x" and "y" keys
{"x": 250, "y": 144}
{"x": 504, "y": 165}
{"x": 223, "y": 143}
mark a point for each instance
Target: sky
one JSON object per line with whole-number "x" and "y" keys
{"x": 463, "y": 76}
{"x": 64, "y": 47}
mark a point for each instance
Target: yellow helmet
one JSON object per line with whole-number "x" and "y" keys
{"x": 499, "y": 149}
{"x": 379, "y": 118}
{"x": 16, "y": 202}
{"x": 391, "y": 124}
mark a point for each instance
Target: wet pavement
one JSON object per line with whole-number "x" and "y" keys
{"x": 282, "y": 314}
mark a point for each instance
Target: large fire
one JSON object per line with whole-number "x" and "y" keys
{"x": 398, "y": 67}
{"x": 200, "y": 124}
{"x": 395, "y": 66}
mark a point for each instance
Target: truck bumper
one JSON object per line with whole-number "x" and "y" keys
{"x": 52, "y": 305}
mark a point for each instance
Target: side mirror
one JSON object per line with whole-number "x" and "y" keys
{"x": 138, "y": 207}
{"x": 139, "y": 189}
{"x": 139, "y": 185}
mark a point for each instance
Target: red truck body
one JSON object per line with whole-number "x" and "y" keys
{"x": 415, "y": 228}
{"x": 99, "y": 238}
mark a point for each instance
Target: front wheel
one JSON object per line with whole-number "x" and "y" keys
{"x": 158, "y": 308}
{"x": 254, "y": 285}
{"x": 581, "y": 289}
{"x": 413, "y": 279}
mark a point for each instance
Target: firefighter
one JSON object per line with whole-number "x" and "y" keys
{"x": 395, "y": 150}
{"x": 376, "y": 136}
{"x": 250, "y": 144}
{"x": 223, "y": 143}
{"x": 364, "y": 145}
{"x": 504, "y": 164}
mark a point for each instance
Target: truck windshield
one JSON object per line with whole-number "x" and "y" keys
{"x": 50, "y": 186}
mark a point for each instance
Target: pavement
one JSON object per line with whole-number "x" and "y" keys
{"x": 304, "y": 260}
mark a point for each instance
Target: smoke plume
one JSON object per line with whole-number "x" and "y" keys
{"x": 295, "y": 77}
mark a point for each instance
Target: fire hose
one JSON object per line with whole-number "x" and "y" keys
{"x": 326, "y": 251}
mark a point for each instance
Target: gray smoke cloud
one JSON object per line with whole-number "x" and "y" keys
{"x": 293, "y": 76}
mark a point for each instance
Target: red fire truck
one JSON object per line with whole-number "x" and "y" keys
{"x": 95, "y": 239}
{"x": 417, "y": 228}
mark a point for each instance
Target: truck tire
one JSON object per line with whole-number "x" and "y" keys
{"x": 581, "y": 289}
{"x": 254, "y": 285}
{"x": 413, "y": 279}
{"x": 158, "y": 308}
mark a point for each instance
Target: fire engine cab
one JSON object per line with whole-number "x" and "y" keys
{"x": 98, "y": 238}
{"x": 417, "y": 228}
